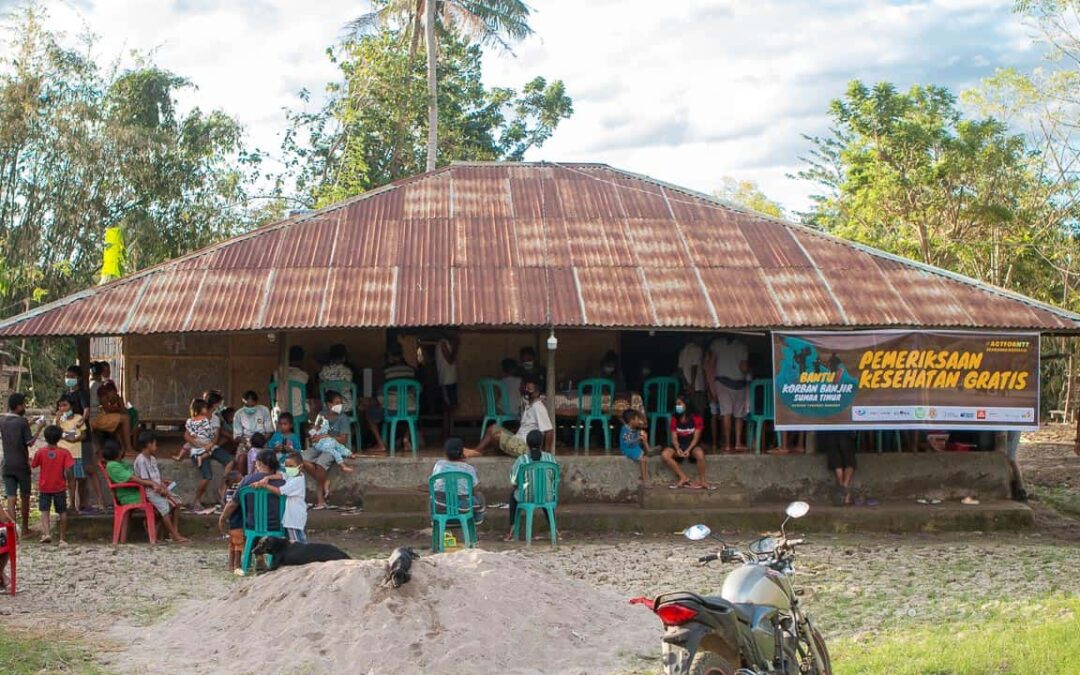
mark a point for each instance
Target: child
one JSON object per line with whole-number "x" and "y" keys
{"x": 230, "y": 484}
{"x": 330, "y": 431}
{"x": 686, "y": 429}
{"x": 74, "y": 431}
{"x": 56, "y": 464}
{"x": 258, "y": 444}
{"x": 294, "y": 491}
{"x": 535, "y": 441}
{"x": 284, "y": 440}
{"x": 146, "y": 468}
{"x": 266, "y": 465}
{"x": 120, "y": 471}
{"x": 455, "y": 461}
{"x": 634, "y": 442}
{"x": 198, "y": 432}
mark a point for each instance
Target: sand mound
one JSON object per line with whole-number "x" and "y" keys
{"x": 466, "y": 612}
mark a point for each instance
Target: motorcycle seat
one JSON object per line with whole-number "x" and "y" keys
{"x": 743, "y": 611}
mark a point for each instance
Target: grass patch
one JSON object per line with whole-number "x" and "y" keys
{"x": 1031, "y": 638}
{"x": 1062, "y": 500}
{"x": 25, "y": 653}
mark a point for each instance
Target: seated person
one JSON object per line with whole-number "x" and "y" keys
{"x": 839, "y": 447}
{"x": 258, "y": 444}
{"x": 609, "y": 370}
{"x": 112, "y": 418}
{"x": 252, "y": 418}
{"x": 328, "y": 436}
{"x": 686, "y": 429}
{"x": 338, "y": 369}
{"x": 536, "y": 453}
{"x": 146, "y": 467}
{"x": 285, "y": 440}
{"x": 512, "y": 381}
{"x": 634, "y": 441}
{"x": 455, "y": 461}
{"x": 266, "y": 466}
{"x": 534, "y": 417}
{"x": 120, "y": 471}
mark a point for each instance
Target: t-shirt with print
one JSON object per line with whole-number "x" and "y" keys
{"x": 683, "y": 430}
{"x": 444, "y": 465}
{"x": 630, "y": 441}
{"x": 121, "y": 472}
{"x": 72, "y": 425}
{"x": 257, "y": 421}
{"x": 147, "y": 468}
{"x": 535, "y": 417}
{"x": 52, "y": 463}
{"x": 339, "y": 372}
{"x": 15, "y": 437}
{"x": 202, "y": 429}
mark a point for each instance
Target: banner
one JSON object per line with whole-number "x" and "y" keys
{"x": 905, "y": 379}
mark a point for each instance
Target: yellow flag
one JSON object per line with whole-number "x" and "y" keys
{"x": 112, "y": 259}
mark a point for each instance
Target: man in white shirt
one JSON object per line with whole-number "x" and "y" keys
{"x": 730, "y": 366}
{"x": 446, "y": 353}
{"x": 692, "y": 368}
{"x": 534, "y": 417}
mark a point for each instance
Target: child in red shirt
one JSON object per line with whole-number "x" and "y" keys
{"x": 55, "y": 464}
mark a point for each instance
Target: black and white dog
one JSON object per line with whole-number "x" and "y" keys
{"x": 286, "y": 553}
{"x": 399, "y": 567}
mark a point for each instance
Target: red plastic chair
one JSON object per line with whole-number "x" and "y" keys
{"x": 121, "y": 512}
{"x": 9, "y": 548}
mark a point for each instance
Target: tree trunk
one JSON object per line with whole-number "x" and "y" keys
{"x": 433, "y": 101}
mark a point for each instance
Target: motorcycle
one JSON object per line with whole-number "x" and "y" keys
{"x": 755, "y": 626}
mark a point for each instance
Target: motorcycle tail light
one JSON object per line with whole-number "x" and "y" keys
{"x": 675, "y": 614}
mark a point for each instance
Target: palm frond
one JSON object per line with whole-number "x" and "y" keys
{"x": 492, "y": 22}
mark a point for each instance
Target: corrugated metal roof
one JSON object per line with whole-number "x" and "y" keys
{"x": 534, "y": 245}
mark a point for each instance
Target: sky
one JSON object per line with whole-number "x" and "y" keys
{"x": 686, "y": 91}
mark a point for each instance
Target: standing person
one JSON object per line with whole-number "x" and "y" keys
{"x": 634, "y": 441}
{"x": 54, "y": 464}
{"x": 294, "y": 491}
{"x": 89, "y": 483}
{"x": 534, "y": 417}
{"x": 165, "y": 502}
{"x": 73, "y": 431}
{"x": 731, "y": 368}
{"x": 839, "y": 449}
{"x": 446, "y": 353}
{"x": 120, "y": 471}
{"x": 686, "y": 429}
{"x": 266, "y": 466}
{"x": 692, "y": 371}
{"x": 1012, "y": 446}
{"x": 455, "y": 461}
{"x": 535, "y": 441}
{"x": 16, "y": 439}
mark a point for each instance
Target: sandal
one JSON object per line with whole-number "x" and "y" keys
{"x": 970, "y": 501}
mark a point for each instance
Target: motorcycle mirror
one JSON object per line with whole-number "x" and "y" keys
{"x": 697, "y": 532}
{"x": 797, "y": 509}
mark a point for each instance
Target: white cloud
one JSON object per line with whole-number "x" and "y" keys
{"x": 687, "y": 91}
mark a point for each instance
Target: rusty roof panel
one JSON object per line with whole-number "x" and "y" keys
{"x": 424, "y": 297}
{"x": 296, "y": 297}
{"x": 360, "y": 297}
{"x": 801, "y": 297}
{"x": 657, "y": 244}
{"x": 428, "y": 242}
{"x": 230, "y": 300}
{"x": 677, "y": 297}
{"x": 614, "y": 296}
{"x": 740, "y": 297}
{"x": 530, "y": 245}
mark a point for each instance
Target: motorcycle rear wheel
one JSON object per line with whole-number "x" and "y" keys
{"x": 710, "y": 663}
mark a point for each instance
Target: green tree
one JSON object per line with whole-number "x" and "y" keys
{"x": 747, "y": 194}
{"x": 352, "y": 143}
{"x": 486, "y": 22}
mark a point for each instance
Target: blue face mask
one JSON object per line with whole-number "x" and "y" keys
{"x": 70, "y": 382}
{"x": 249, "y": 409}
{"x": 680, "y": 409}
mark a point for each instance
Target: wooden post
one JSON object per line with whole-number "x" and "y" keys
{"x": 551, "y": 394}
{"x": 282, "y": 398}
{"x": 82, "y": 353}
{"x": 22, "y": 352}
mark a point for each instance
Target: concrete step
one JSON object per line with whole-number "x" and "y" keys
{"x": 655, "y": 497}
{"x": 597, "y": 518}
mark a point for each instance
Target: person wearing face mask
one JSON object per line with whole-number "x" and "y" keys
{"x": 533, "y": 417}
{"x": 73, "y": 430}
{"x": 88, "y": 478}
{"x": 329, "y": 435}
{"x": 686, "y": 428}
{"x": 251, "y": 419}
{"x": 609, "y": 370}
{"x": 528, "y": 367}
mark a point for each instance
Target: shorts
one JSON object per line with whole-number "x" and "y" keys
{"x": 319, "y": 457}
{"x": 236, "y": 541}
{"x": 89, "y": 457}
{"x": 680, "y": 460}
{"x": 78, "y": 472}
{"x": 160, "y": 503}
{"x": 839, "y": 449}
{"x": 633, "y": 454}
{"x": 17, "y": 482}
{"x": 58, "y": 500}
{"x": 510, "y": 443}
{"x": 296, "y": 535}
{"x": 728, "y": 401}
{"x": 218, "y": 454}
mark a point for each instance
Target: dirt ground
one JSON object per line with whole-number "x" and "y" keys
{"x": 854, "y": 584}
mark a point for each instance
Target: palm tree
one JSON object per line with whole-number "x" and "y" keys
{"x": 493, "y": 23}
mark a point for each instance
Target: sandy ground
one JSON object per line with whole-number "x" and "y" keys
{"x": 855, "y": 585}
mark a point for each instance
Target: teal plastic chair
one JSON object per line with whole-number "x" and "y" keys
{"x": 345, "y": 387}
{"x": 401, "y": 391}
{"x": 496, "y": 400}
{"x": 459, "y": 508}
{"x": 260, "y": 505}
{"x": 659, "y": 396}
{"x": 294, "y": 387}
{"x": 595, "y": 389}
{"x": 762, "y": 410}
{"x": 538, "y": 483}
